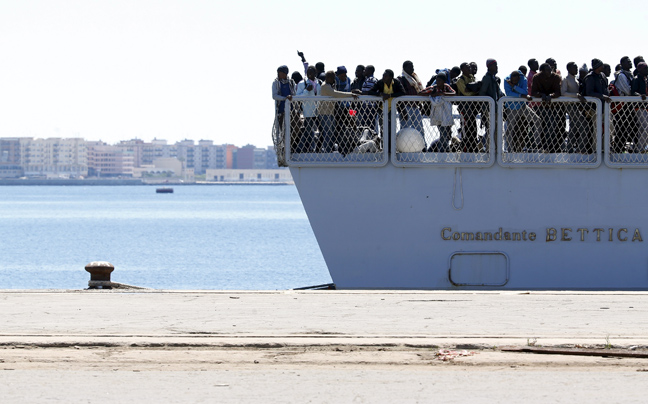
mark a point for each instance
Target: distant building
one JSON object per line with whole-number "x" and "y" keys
{"x": 10, "y": 150}
{"x": 109, "y": 161}
{"x": 251, "y": 175}
{"x": 57, "y": 157}
{"x": 11, "y": 171}
{"x": 51, "y": 158}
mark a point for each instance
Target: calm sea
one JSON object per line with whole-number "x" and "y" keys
{"x": 200, "y": 237}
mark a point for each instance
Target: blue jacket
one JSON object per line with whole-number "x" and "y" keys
{"x": 519, "y": 91}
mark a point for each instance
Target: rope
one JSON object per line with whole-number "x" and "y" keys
{"x": 454, "y": 189}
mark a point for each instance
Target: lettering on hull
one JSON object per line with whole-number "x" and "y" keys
{"x": 552, "y": 234}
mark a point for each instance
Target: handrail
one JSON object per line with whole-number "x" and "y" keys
{"x": 582, "y": 134}
{"x": 445, "y": 131}
{"x": 562, "y": 133}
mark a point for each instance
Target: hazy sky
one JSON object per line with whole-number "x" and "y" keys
{"x": 198, "y": 69}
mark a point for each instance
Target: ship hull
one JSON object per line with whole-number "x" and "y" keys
{"x": 479, "y": 228}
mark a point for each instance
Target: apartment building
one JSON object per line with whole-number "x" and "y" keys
{"x": 109, "y": 161}
{"x": 52, "y": 157}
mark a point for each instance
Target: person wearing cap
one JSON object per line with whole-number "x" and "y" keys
{"x": 283, "y": 88}
{"x": 468, "y": 110}
{"x": 595, "y": 82}
{"x": 546, "y": 85}
{"x": 640, "y": 89}
{"x": 342, "y": 82}
{"x": 490, "y": 82}
{"x": 330, "y": 113}
{"x": 515, "y": 85}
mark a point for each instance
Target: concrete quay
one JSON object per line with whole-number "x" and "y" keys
{"x": 322, "y": 346}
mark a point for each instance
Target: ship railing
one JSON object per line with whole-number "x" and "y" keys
{"x": 626, "y": 128}
{"x": 442, "y": 131}
{"x": 341, "y": 132}
{"x": 564, "y": 132}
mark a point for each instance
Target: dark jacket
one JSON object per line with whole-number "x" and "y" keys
{"x": 379, "y": 88}
{"x": 595, "y": 85}
{"x": 407, "y": 87}
{"x": 545, "y": 85}
{"x": 639, "y": 85}
{"x": 491, "y": 87}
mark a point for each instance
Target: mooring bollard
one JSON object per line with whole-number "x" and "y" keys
{"x": 99, "y": 274}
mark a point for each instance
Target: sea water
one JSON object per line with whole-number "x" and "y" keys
{"x": 199, "y": 237}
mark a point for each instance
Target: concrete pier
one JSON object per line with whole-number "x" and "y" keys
{"x": 321, "y": 346}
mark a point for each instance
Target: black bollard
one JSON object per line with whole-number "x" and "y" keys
{"x": 99, "y": 274}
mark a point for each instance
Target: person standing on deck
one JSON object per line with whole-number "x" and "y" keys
{"x": 533, "y": 69}
{"x": 515, "y": 85}
{"x": 625, "y": 114}
{"x": 577, "y": 124}
{"x": 359, "y": 78}
{"x": 468, "y": 110}
{"x": 368, "y": 111}
{"x": 595, "y": 86}
{"x": 389, "y": 89}
{"x": 546, "y": 85}
{"x": 640, "y": 88}
{"x": 411, "y": 114}
{"x": 327, "y": 111}
{"x": 490, "y": 87}
{"x": 441, "y": 113}
{"x": 311, "y": 87}
{"x": 283, "y": 88}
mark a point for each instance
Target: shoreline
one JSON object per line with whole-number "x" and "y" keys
{"x": 123, "y": 182}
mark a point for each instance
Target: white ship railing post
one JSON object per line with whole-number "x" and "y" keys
{"x": 626, "y": 133}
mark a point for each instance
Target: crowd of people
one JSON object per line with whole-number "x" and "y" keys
{"x": 536, "y": 124}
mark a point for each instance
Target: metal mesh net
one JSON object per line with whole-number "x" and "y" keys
{"x": 442, "y": 130}
{"x": 628, "y": 129}
{"x": 563, "y": 131}
{"x": 324, "y": 130}
{"x": 278, "y": 138}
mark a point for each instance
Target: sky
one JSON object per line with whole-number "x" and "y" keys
{"x": 196, "y": 69}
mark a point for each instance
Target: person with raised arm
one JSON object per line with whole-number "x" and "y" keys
{"x": 311, "y": 87}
